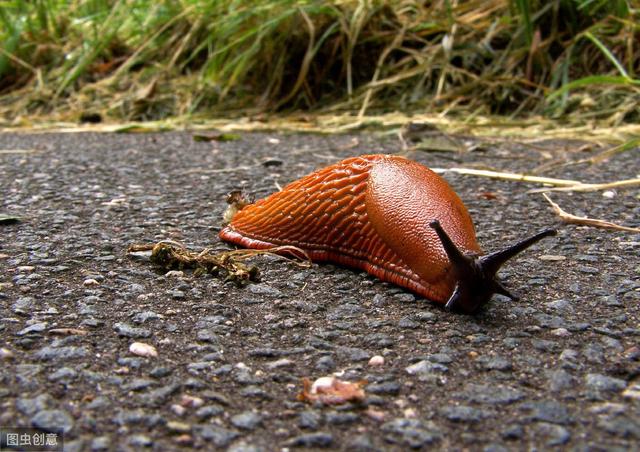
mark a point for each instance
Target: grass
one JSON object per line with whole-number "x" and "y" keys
{"x": 149, "y": 60}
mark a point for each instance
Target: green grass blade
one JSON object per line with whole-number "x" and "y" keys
{"x": 607, "y": 53}
{"x": 593, "y": 80}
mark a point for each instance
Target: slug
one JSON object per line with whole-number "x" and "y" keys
{"x": 390, "y": 216}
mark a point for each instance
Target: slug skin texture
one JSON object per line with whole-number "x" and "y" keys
{"x": 371, "y": 212}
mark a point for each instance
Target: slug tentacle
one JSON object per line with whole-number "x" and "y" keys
{"x": 476, "y": 275}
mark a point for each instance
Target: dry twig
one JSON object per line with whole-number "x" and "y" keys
{"x": 585, "y": 221}
{"x": 508, "y": 176}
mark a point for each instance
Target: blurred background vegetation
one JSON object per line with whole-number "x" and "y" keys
{"x": 154, "y": 59}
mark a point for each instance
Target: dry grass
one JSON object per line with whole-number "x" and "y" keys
{"x": 140, "y": 60}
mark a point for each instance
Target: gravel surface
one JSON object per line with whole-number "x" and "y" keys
{"x": 557, "y": 368}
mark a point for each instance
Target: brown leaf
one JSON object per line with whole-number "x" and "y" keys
{"x": 331, "y": 391}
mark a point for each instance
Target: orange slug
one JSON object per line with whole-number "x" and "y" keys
{"x": 390, "y": 216}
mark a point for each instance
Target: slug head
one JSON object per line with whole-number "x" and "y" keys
{"x": 476, "y": 275}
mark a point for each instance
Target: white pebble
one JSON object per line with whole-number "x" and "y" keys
{"x": 632, "y": 391}
{"x": 376, "y": 361}
{"x": 191, "y": 401}
{"x": 609, "y": 194}
{"x": 90, "y": 282}
{"x": 178, "y": 410}
{"x": 284, "y": 362}
{"x": 561, "y": 332}
{"x": 142, "y": 349}
{"x": 174, "y": 274}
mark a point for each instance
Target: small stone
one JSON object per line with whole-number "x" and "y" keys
{"x": 495, "y": 363}
{"x": 53, "y": 421}
{"x": 144, "y": 316}
{"x": 560, "y": 380}
{"x": 317, "y": 439}
{"x": 178, "y": 410}
{"x": 512, "y": 432}
{"x": 441, "y": 358}
{"x": 284, "y": 362}
{"x": 569, "y": 357}
{"x": 184, "y": 440}
{"x": 620, "y": 425}
{"x": 404, "y": 297}
{"x": 178, "y": 427}
{"x": 158, "y": 396}
{"x": 386, "y": 387}
{"x": 244, "y": 447}
{"x": 632, "y": 391}
{"x": 60, "y": 354}
{"x": 31, "y": 405}
{"x": 555, "y": 435}
{"x": 248, "y": 420}
{"x": 160, "y": 372}
{"x": 559, "y": 305}
{"x": 407, "y": 323}
{"x": 138, "y": 384}
{"x": 548, "y": 411}
{"x": 208, "y": 335}
{"x": 191, "y": 401}
{"x": 126, "y": 330}
{"x": 361, "y": 443}
{"x": 35, "y": 328}
{"x": 6, "y": 354}
{"x": 561, "y": 332}
{"x": 208, "y": 411}
{"x": 140, "y": 440}
{"x": 100, "y": 443}
{"x": 219, "y": 436}
{"x": 340, "y": 418}
{"x": 24, "y": 305}
{"x": 353, "y": 354}
{"x": 600, "y": 382}
{"x": 544, "y": 345}
{"x": 376, "y": 361}
{"x": 309, "y": 420}
{"x": 174, "y": 274}
{"x": 379, "y": 300}
{"x": 461, "y": 413}
{"x": 325, "y": 364}
{"x": 425, "y": 367}
{"x": 410, "y": 432}
{"x": 142, "y": 349}
{"x": 263, "y": 289}
{"x": 64, "y": 374}
{"x": 90, "y": 282}
{"x": 490, "y": 394}
{"x": 594, "y": 353}
{"x": 255, "y": 392}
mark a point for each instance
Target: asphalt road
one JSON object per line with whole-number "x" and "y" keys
{"x": 558, "y": 368}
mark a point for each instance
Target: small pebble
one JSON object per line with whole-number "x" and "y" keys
{"x": 142, "y": 349}
{"x": 561, "y": 332}
{"x": 376, "y": 361}
{"x": 248, "y": 420}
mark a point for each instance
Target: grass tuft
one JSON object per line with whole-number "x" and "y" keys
{"x": 143, "y": 60}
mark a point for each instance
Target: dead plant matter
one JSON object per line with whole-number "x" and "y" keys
{"x": 170, "y": 255}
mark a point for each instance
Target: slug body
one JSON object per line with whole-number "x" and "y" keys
{"x": 387, "y": 215}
